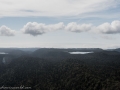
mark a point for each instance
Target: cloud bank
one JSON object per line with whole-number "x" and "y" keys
{"x": 53, "y": 7}
{"x": 34, "y": 28}
{"x": 5, "y": 31}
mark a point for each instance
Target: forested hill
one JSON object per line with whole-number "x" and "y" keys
{"x": 94, "y": 71}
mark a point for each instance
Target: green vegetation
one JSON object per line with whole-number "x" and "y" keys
{"x": 95, "y": 71}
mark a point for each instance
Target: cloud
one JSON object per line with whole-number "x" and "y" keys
{"x": 5, "y": 31}
{"x": 109, "y": 28}
{"x": 74, "y": 27}
{"x": 53, "y": 7}
{"x": 34, "y": 28}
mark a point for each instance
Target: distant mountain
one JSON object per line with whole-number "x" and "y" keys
{"x": 22, "y": 49}
{"x": 5, "y": 50}
{"x": 93, "y": 71}
{"x": 17, "y": 52}
{"x": 56, "y": 69}
{"x": 105, "y": 52}
{"x": 84, "y": 49}
{"x": 63, "y": 52}
{"x": 11, "y": 54}
{"x": 50, "y": 53}
{"x": 118, "y": 49}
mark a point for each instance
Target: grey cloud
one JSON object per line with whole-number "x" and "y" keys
{"x": 54, "y": 8}
{"x": 34, "y": 28}
{"x": 74, "y": 27}
{"x": 109, "y": 28}
{"x": 40, "y": 28}
{"x": 5, "y": 31}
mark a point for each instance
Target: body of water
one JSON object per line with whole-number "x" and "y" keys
{"x": 3, "y": 53}
{"x": 80, "y": 52}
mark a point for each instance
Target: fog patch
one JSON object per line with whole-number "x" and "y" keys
{"x": 6, "y": 60}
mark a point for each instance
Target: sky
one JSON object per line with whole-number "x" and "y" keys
{"x": 60, "y": 23}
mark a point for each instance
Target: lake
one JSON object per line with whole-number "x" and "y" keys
{"x": 3, "y": 53}
{"x": 80, "y": 52}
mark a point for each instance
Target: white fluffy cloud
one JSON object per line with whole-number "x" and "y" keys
{"x": 74, "y": 27}
{"x": 53, "y": 7}
{"x": 5, "y": 31}
{"x": 34, "y": 28}
{"x": 109, "y": 28}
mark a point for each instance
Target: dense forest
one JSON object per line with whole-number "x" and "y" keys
{"x": 57, "y": 69}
